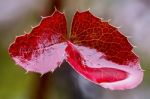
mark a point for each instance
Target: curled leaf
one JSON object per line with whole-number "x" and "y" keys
{"x": 42, "y": 50}
{"x": 102, "y": 54}
{"x": 95, "y": 49}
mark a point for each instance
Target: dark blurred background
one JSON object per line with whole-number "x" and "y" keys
{"x": 17, "y": 16}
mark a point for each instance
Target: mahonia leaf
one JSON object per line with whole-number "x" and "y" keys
{"x": 102, "y": 54}
{"x": 95, "y": 49}
{"x": 43, "y": 49}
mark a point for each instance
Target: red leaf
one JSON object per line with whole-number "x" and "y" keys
{"x": 95, "y": 49}
{"x": 102, "y": 54}
{"x": 43, "y": 49}
{"x": 89, "y": 31}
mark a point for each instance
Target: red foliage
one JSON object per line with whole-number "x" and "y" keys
{"x": 98, "y": 75}
{"x": 29, "y": 50}
{"x": 95, "y": 49}
{"x": 88, "y": 30}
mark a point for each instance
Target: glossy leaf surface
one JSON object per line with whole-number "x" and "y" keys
{"x": 104, "y": 51}
{"x": 95, "y": 49}
{"x": 42, "y": 50}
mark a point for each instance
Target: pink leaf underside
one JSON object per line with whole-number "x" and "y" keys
{"x": 95, "y": 49}
{"x": 102, "y": 54}
{"x": 43, "y": 49}
{"x": 94, "y": 67}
